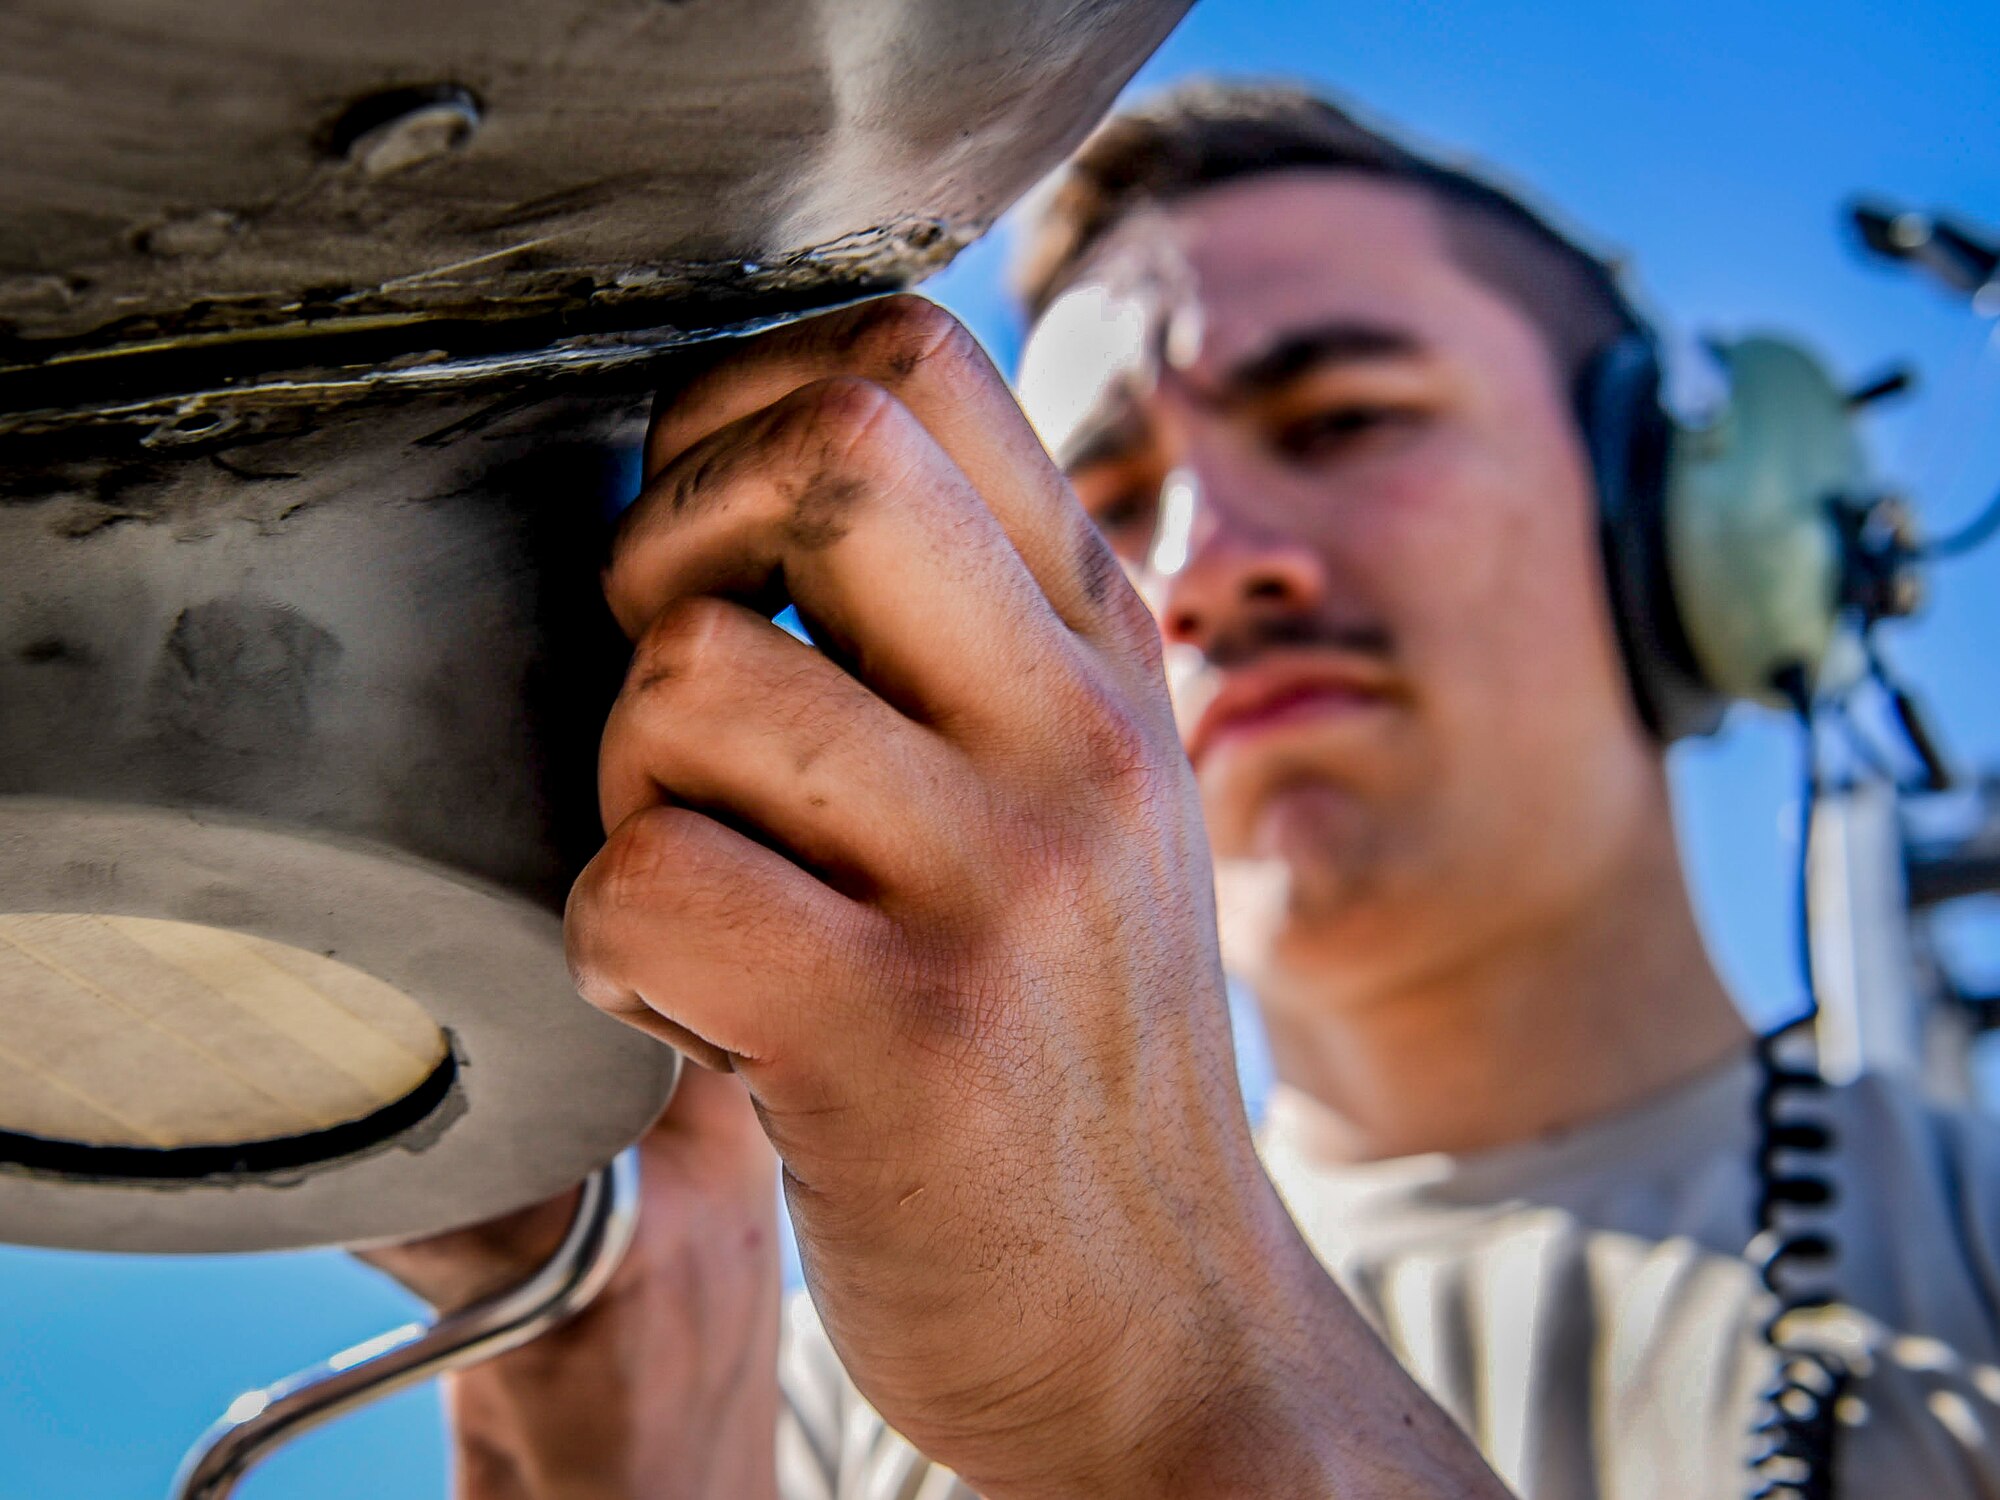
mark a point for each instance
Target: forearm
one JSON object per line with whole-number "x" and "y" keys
{"x": 667, "y": 1390}
{"x": 1274, "y": 1386}
{"x": 1347, "y": 1423}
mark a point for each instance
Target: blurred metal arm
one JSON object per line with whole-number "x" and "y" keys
{"x": 1870, "y": 1015}
{"x": 258, "y": 1422}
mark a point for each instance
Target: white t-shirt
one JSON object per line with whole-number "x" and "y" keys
{"x": 1580, "y": 1304}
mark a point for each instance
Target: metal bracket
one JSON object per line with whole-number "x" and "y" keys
{"x": 258, "y": 1422}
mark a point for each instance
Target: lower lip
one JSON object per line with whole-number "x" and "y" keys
{"x": 1317, "y": 705}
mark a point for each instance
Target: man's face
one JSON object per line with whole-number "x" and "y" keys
{"x": 1345, "y": 474}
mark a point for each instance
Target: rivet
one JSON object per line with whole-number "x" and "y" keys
{"x": 403, "y": 127}
{"x": 195, "y": 426}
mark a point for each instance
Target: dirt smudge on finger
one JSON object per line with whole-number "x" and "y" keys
{"x": 822, "y": 512}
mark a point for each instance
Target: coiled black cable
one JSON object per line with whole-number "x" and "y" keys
{"x": 1797, "y": 1423}
{"x": 1794, "y": 1451}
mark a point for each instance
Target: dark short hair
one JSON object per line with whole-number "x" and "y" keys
{"x": 1207, "y": 132}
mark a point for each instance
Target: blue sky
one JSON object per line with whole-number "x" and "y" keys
{"x": 1713, "y": 143}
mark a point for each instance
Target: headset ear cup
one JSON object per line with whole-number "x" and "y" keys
{"x": 1629, "y": 438}
{"x": 1753, "y": 544}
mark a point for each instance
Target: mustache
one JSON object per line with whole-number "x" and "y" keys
{"x": 1242, "y": 642}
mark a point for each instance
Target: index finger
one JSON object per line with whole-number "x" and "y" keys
{"x": 928, "y": 360}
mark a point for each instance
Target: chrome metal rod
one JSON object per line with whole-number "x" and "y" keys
{"x": 258, "y": 1422}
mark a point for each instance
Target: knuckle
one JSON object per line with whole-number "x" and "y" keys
{"x": 621, "y": 583}
{"x": 1114, "y": 749}
{"x": 1102, "y": 780}
{"x": 585, "y": 951}
{"x": 836, "y": 419}
{"x": 906, "y": 335}
{"x": 633, "y": 868}
{"x": 588, "y": 976}
{"x": 674, "y": 647}
{"x": 661, "y": 869}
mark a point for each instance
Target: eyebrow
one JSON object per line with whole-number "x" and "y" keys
{"x": 1114, "y": 433}
{"x": 1293, "y": 354}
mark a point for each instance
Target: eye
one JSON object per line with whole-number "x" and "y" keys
{"x": 1127, "y": 518}
{"x": 1326, "y": 433}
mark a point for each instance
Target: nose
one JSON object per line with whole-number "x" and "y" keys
{"x": 1234, "y": 573}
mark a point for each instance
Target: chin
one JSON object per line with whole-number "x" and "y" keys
{"x": 1330, "y": 842}
{"x": 1321, "y": 832}
{"x": 1354, "y": 908}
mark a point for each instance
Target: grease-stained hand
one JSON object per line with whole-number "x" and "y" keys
{"x": 938, "y": 893}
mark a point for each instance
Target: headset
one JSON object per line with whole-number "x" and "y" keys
{"x": 1724, "y": 560}
{"x": 1737, "y": 548}
{"x": 1748, "y": 557}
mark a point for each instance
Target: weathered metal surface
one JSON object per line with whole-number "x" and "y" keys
{"x": 195, "y": 186}
{"x": 326, "y": 335}
{"x": 338, "y": 688}
{"x": 388, "y": 627}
